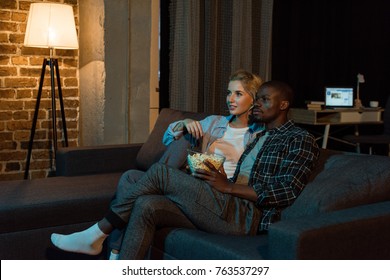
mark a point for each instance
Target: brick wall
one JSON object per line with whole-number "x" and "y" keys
{"x": 20, "y": 70}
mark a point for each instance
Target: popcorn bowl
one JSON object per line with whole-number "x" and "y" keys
{"x": 196, "y": 160}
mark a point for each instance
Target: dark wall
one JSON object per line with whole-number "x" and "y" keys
{"x": 317, "y": 43}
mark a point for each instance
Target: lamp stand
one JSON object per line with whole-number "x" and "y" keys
{"x": 53, "y": 64}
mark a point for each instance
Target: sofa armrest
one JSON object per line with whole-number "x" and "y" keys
{"x": 76, "y": 161}
{"x": 354, "y": 233}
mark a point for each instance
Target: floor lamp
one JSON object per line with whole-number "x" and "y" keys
{"x": 50, "y": 26}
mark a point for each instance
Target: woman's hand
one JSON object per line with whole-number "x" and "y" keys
{"x": 193, "y": 127}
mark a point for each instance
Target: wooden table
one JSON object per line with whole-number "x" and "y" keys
{"x": 328, "y": 117}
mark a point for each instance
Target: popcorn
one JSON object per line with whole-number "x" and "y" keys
{"x": 196, "y": 160}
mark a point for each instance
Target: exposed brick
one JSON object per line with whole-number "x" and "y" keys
{"x": 8, "y": 71}
{"x": 8, "y": 49}
{"x": 36, "y": 60}
{"x": 18, "y": 125}
{"x": 72, "y": 134}
{"x": 20, "y": 82}
{"x": 38, "y": 174}
{"x": 70, "y": 92}
{"x": 4, "y": 60}
{"x": 12, "y": 166}
{"x": 5, "y": 116}
{"x": 22, "y": 135}
{"x": 70, "y": 62}
{"x": 71, "y": 82}
{"x": 71, "y": 2}
{"x": 73, "y": 143}
{"x": 72, "y": 102}
{"x": 42, "y": 154}
{"x": 31, "y": 72}
{"x": 8, "y": 26}
{"x": 46, "y": 93}
{"x": 36, "y": 145}
{"x": 19, "y": 60}
{"x": 71, "y": 124}
{"x": 20, "y": 115}
{"x": 64, "y": 53}
{"x": 19, "y": 17}
{"x": 16, "y": 38}
{"x": 5, "y": 136}
{"x": 8, "y": 145}
{"x": 4, "y": 38}
{"x": 68, "y": 72}
{"x": 8, "y": 4}
{"x": 11, "y": 105}
{"x": 35, "y": 51}
{"x": 71, "y": 113}
{"x": 22, "y": 28}
{"x": 13, "y": 155}
{"x": 5, "y": 15}
{"x": 25, "y": 5}
{"x": 11, "y": 176}
{"x": 44, "y": 103}
{"x": 23, "y": 93}
{"x": 7, "y": 93}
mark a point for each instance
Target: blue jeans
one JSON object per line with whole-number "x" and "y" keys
{"x": 143, "y": 206}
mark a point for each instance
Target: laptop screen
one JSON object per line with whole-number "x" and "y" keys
{"x": 338, "y": 97}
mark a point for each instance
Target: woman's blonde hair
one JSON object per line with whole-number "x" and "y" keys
{"x": 250, "y": 82}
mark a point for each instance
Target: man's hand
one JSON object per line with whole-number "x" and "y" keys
{"x": 215, "y": 178}
{"x": 218, "y": 180}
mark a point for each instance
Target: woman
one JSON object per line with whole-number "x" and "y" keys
{"x": 223, "y": 135}
{"x": 227, "y": 136}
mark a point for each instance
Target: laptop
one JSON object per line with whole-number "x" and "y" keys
{"x": 339, "y": 97}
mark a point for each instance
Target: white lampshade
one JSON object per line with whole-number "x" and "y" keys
{"x": 51, "y": 25}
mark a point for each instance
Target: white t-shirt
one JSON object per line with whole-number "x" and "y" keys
{"x": 247, "y": 164}
{"x": 231, "y": 146}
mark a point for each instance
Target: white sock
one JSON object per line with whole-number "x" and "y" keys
{"x": 89, "y": 241}
{"x": 114, "y": 256}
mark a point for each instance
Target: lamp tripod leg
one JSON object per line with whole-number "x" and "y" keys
{"x": 53, "y": 106}
{"x": 61, "y": 103}
{"x": 34, "y": 124}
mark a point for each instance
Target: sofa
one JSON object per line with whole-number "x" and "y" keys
{"x": 343, "y": 212}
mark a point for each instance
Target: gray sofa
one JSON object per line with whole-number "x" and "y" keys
{"x": 343, "y": 213}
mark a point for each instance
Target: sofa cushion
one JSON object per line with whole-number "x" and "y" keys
{"x": 55, "y": 201}
{"x": 343, "y": 181}
{"x": 153, "y": 149}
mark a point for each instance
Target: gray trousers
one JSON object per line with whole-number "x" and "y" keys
{"x": 192, "y": 203}
{"x": 128, "y": 178}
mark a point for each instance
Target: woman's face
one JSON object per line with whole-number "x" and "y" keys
{"x": 238, "y": 100}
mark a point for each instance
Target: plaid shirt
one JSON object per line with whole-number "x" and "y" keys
{"x": 281, "y": 169}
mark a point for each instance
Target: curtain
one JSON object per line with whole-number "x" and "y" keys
{"x": 328, "y": 42}
{"x": 209, "y": 40}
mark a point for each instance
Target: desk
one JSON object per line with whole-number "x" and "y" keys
{"x": 328, "y": 117}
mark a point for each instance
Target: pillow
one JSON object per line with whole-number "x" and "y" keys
{"x": 343, "y": 181}
{"x": 153, "y": 149}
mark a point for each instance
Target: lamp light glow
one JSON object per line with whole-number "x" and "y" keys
{"x": 51, "y": 25}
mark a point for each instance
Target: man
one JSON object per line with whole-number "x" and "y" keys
{"x": 270, "y": 175}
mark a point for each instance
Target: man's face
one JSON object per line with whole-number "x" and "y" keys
{"x": 268, "y": 105}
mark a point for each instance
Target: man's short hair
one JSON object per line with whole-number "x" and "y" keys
{"x": 283, "y": 88}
